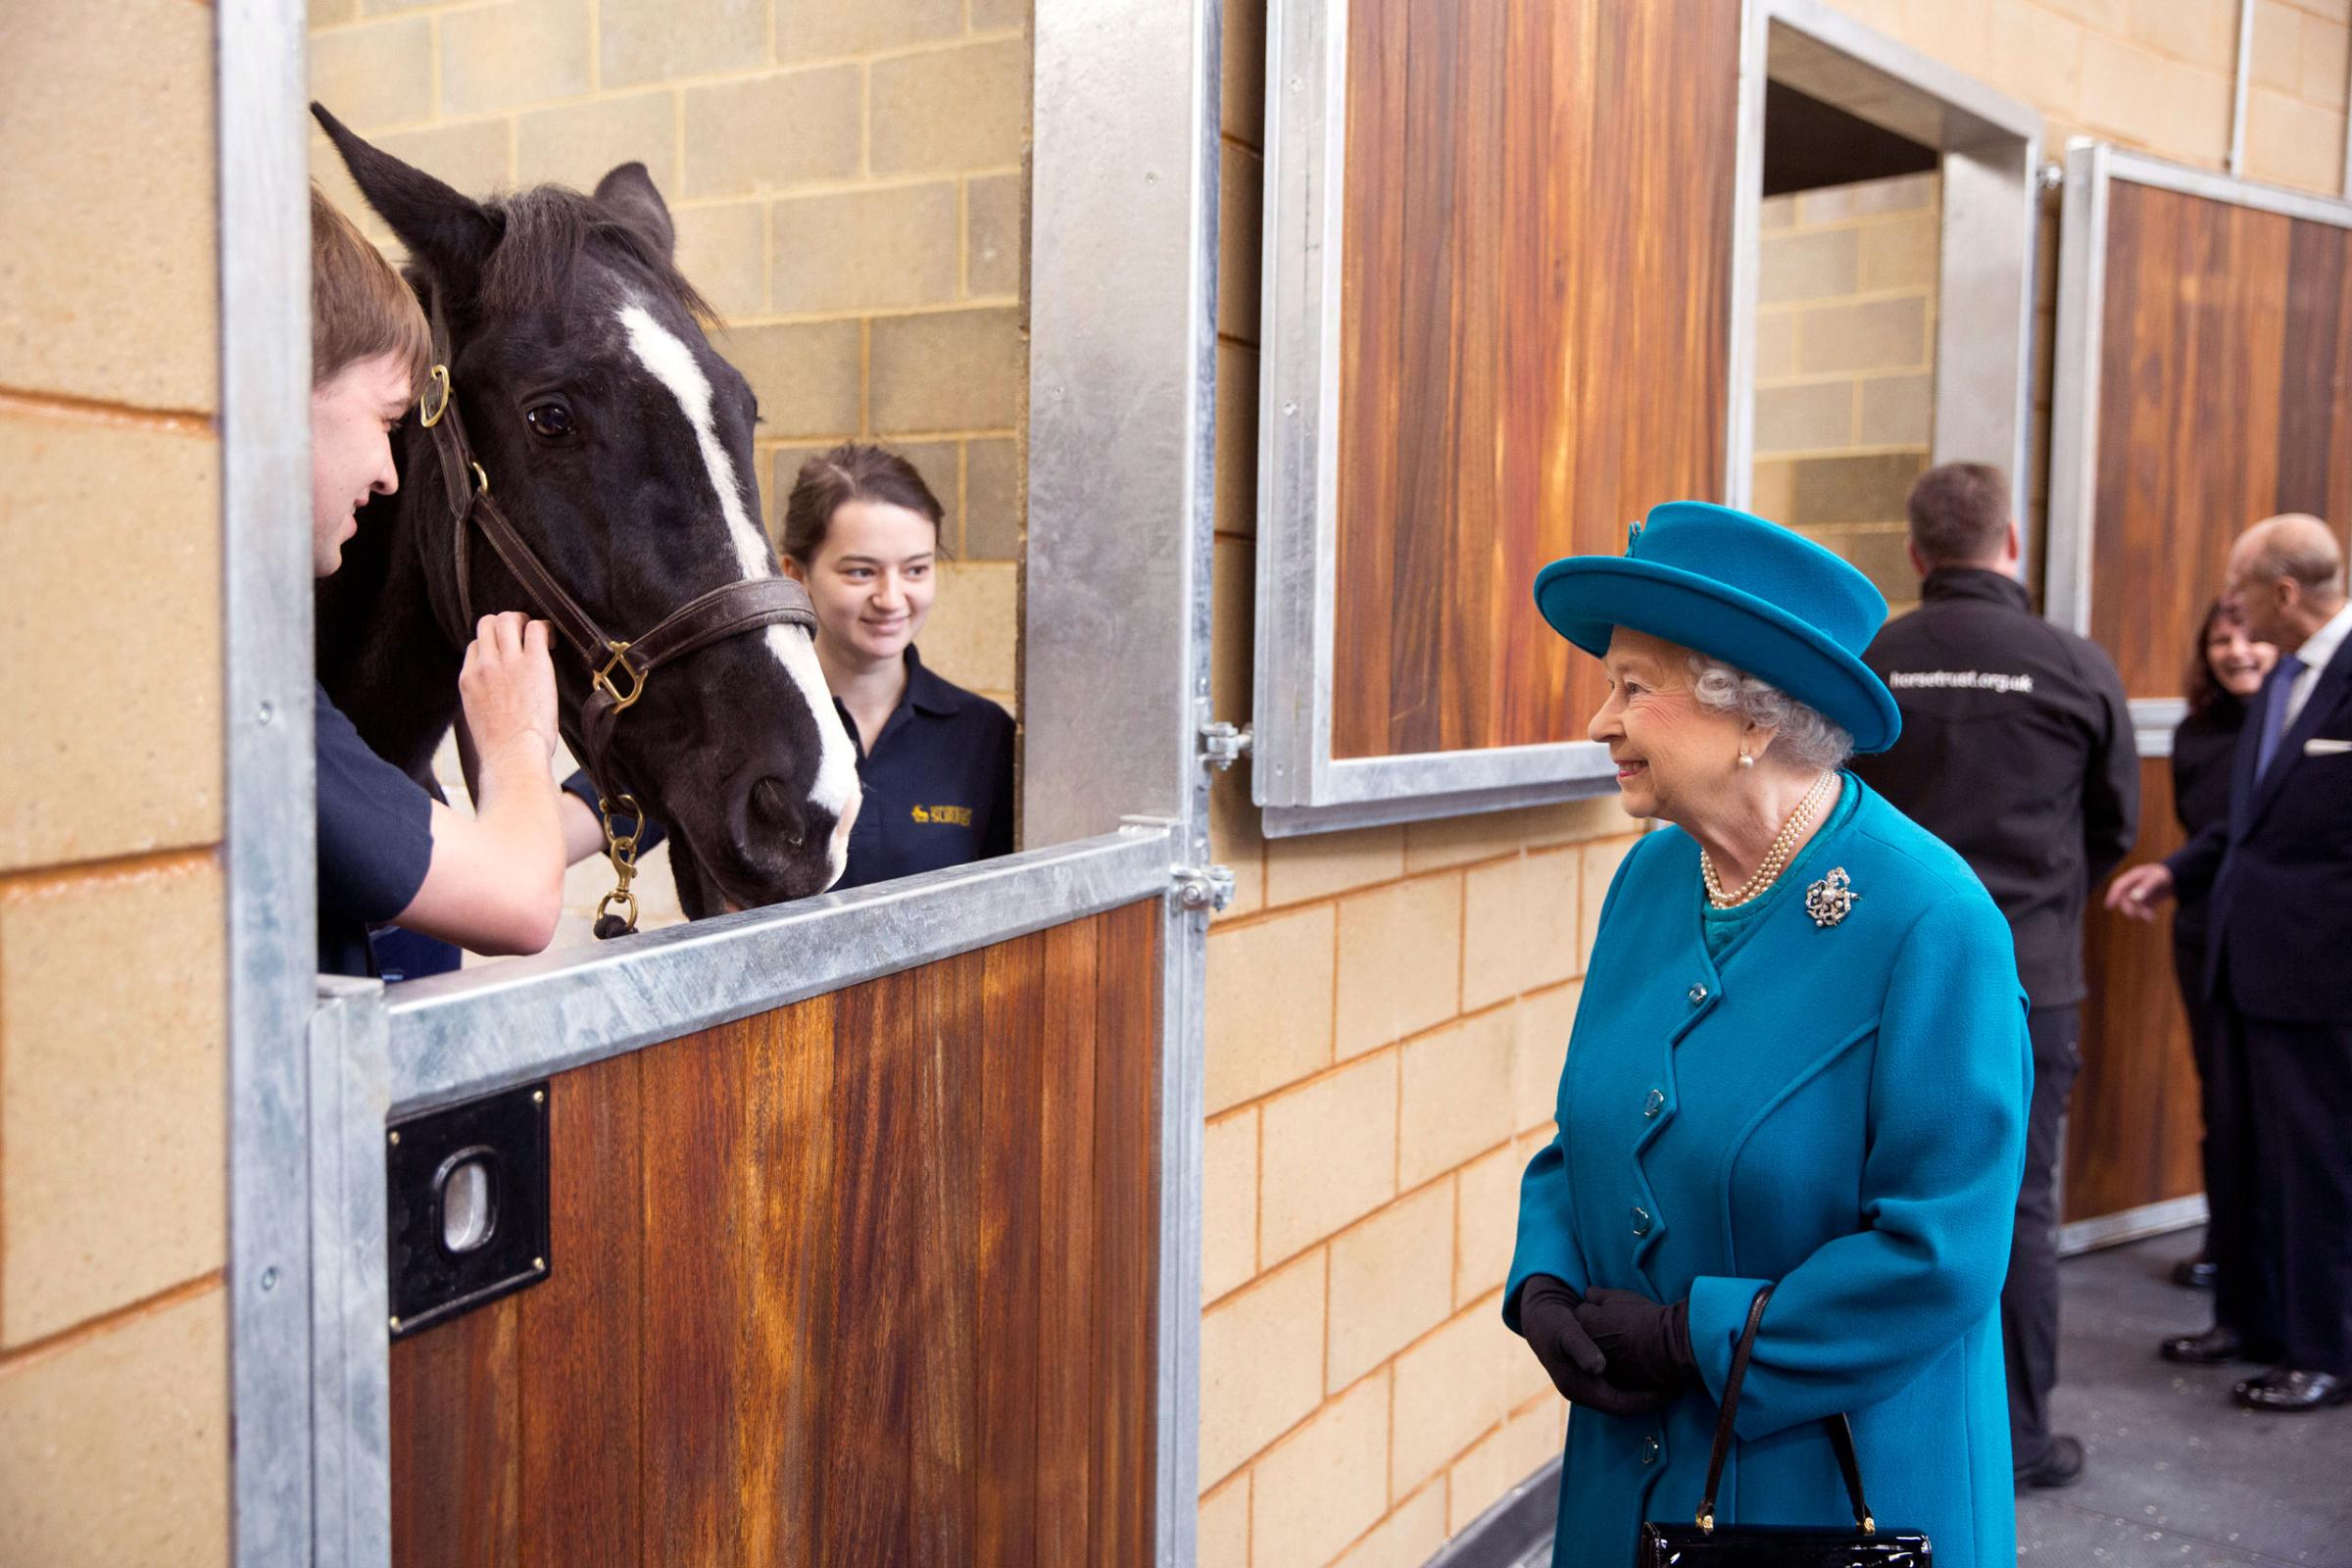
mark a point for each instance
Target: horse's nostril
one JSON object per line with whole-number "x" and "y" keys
{"x": 772, "y": 806}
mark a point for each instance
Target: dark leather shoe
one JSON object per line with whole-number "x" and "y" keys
{"x": 2194, "y": 1273}
{"x": 2060, "y": 1465}
{"x": 2289, "y": 1391}
{"x": 2213, "y": 1347}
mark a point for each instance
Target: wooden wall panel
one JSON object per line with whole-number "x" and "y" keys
{"x": 1126, "y": 1203}
{"x": 582, "y": 1432}
{"x": 2133, "y": 1135}
{"x": 1535, "y": 299}
{"x": 455, "y": 1441}
{"x": 868, "y": 1280}
{"x": 2225, "y": 396}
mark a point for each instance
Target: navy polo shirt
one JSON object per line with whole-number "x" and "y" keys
{"x": 938, "y": 783}
{"x": 376, "y": 842}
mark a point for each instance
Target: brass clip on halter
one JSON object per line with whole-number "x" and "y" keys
{"x": 622, "y": 850}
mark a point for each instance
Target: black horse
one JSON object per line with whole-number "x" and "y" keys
{"x": 619, "y": 445}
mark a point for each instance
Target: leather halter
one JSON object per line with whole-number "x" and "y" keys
{"x": 618, "y": 669}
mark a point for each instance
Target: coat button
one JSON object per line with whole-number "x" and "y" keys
{"x": 1698, "y": 994}
{"x": 1649, "y": 1449}
{"x": 1640, "y": 1220}
{"x": 1653, "y": 1102}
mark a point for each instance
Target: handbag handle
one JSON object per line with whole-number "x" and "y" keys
{"x": 1841, "y": 1431}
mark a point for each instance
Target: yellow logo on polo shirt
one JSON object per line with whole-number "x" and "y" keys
{"x": 952, "y": 815}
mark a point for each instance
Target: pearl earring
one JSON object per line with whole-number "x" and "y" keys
{"x": 1746, "y": 760}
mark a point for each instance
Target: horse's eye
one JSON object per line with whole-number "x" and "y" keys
{"x": 549, "y": 422}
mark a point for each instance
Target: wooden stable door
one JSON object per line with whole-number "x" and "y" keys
{"x": 1537, "y": 297}
{"x": 867, "y": 1280}
{"x": 2134, "y": 1133}
{"x": 2224, "y": 395}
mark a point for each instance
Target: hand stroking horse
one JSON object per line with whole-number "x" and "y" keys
{"x": 588, "y": 459}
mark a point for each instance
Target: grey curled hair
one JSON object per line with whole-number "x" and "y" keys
{"x": 1799, "y": 732}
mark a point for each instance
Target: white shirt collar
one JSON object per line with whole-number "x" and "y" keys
{"x": 2320, "y": 646}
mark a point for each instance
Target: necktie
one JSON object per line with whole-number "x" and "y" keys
{"x": 2274, "y": 710}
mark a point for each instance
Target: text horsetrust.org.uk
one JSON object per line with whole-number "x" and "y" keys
{"x": 1982, "y": 680}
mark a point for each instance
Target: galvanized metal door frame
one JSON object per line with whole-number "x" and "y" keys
{"x": 264, "y": 257}
{"x": 2091, "y": 170}
{"x": 1991, "y": 148}
{"x": 1122, "y": 301}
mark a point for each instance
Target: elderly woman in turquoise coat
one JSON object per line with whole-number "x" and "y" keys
{"x": 1800, "y": 1061}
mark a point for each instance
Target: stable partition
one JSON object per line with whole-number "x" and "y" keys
{"x": 868, "y": 1279}
{"x": 2204, "y": 381}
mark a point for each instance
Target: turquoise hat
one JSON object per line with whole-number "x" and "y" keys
{"x": 1743, "y": 590}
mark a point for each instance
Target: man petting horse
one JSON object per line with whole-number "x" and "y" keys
{"x": 388, "y": 852}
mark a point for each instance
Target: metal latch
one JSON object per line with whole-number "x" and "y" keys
{"x": 1204, "y": 887}
{"x": 1223, "y": 743}
{"x": 467, "y": 1194}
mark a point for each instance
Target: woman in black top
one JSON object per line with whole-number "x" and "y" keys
{"x": 2224, "y": 674}
{"x": 935, "y": 761}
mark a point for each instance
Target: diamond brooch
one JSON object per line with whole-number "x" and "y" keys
{"x": 1831, "y": 899}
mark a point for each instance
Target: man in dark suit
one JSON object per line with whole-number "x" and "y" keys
{"x": 2017, "y": 752}
{"x": 2279, "y": 972}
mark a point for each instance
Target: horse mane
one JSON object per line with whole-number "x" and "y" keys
{"x": 543, "y": 231}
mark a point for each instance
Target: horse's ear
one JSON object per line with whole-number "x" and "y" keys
{"x": 449, "y": 233}
{"x": 628, "y": 191}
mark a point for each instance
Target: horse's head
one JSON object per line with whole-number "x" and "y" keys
{"x": 619, "y": 446}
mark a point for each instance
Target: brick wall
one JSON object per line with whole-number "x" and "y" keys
{"x": 847, "y": 180}
{"x": 113, "y": 1398}
{"x": 1846, "y": 347}
{"x": 1388, "y": 1010}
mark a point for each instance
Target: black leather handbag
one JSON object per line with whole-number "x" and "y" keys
{"x": 1707, "y": 1545}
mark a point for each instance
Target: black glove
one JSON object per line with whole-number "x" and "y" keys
{"x": 1647, "y": 1346}
{"x": 1547, "y": 1318}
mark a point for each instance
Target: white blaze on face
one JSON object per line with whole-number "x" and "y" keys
{"x": 671, "y": 362}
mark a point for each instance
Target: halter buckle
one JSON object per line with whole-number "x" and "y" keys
{"x": 481, "y": 480}
{"x": 1706, "y": 1521}
{"x": 428, "y": 410}
{"x": 603, "y": 679}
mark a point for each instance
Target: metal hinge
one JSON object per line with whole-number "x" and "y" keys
{"x": 1203, "y": 887}
{"x": 1223, "y": 743}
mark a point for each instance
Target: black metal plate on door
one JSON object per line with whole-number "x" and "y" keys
{"x": 467, "y": 1190}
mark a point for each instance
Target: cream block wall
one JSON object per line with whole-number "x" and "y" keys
{"x": 113, "y": 1397}
{"x": 1389, "y": 1011}
{"x": 1845, "y": 345}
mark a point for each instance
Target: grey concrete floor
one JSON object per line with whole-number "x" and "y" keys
{"x": 2179, "y": 1477}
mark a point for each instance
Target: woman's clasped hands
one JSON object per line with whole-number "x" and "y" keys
{"x": 1611, "y": 1351}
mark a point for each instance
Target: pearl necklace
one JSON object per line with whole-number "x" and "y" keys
{"x": 1775, "y": 858}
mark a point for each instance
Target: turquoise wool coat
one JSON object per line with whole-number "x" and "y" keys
{"x": 1837, "y": 1111}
